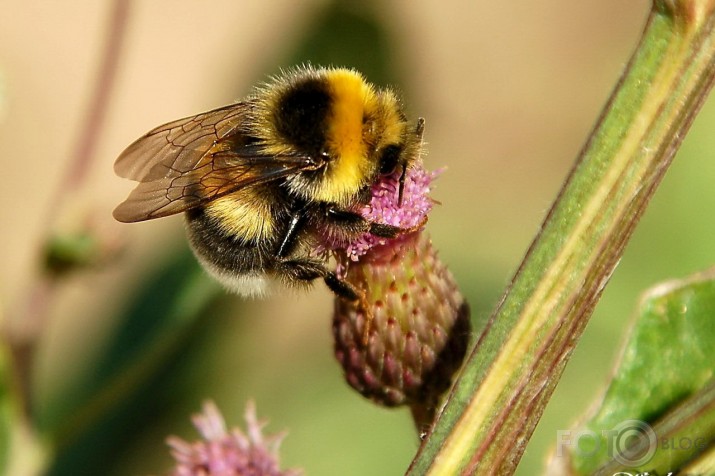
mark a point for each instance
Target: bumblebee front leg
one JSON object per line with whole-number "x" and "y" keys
{"x": 295, "y": 226}
{"x": 307, "y": 270}
{"x": 354, "y": 223}
{"x": 297, "y": 269}
{"x": 342, "y": 288}
{"x": 347, "y": 291}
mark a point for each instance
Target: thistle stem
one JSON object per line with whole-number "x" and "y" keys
{"x": 512, "y": 371}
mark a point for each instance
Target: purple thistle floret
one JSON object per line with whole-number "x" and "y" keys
{"x": 385, "y": 209}
{"x": 224, "y": 453}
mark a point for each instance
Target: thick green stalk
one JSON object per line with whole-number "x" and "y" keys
{"x": 513, "y": 370}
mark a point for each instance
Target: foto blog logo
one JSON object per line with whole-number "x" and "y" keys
{"x": 632, "y": 443}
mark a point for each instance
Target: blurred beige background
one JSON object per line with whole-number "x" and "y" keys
{"x": 509, "y": 89}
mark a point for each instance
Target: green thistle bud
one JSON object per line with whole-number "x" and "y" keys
{"x": 418, "y": 335}
{"x": 405, "y": 338}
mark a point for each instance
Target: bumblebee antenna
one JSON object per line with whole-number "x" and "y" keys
{"x": 402, "y": 184}
{"x": 419, "y": 131}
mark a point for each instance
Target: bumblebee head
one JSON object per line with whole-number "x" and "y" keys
{"x": 358, "y": 130}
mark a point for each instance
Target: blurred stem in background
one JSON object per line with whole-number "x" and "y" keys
{"x": 63, "y": 254}
{"x": 60, "y": 253}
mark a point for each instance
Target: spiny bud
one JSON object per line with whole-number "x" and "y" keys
{"x": 402, "y": 343}
{"x": 419, "y": 330}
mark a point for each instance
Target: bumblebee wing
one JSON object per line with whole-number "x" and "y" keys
{"x": 186, "y": 163}
{"x": 221, "y": 174}
{"x": 178, "y": 146}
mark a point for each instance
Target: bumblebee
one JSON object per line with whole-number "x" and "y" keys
{"x": 258, "y": 180}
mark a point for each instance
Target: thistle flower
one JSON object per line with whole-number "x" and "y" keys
{"x": 224, "y": 453}
{"x": 403, "y": 342}
{"x": 383, "y": 208}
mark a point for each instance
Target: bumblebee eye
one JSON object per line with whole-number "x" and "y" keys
{"x": 389, "y": 158}
{"x": 324, "y": 157}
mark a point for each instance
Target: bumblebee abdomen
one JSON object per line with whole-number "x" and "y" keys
{"x": 238, "y": 233}
{"x": 213, "y": 245}
{"x": 248, "y": 214}
{"x": 243, "y": 264}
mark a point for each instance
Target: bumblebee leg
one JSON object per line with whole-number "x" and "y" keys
{"x": 386, "y": 231}
{"x": 347, "y": 291}
{"x": 390, "y": 231}
{"x": 356, "y": 223}
{"x": 289, "y": 239}
{"x": 350, "y": 221}
{"x": 309, "y": 270}
{"x": 341, "y": 288}
{"x": 302, "y": 269}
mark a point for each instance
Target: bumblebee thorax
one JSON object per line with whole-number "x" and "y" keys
{"x": 335, "y": 114}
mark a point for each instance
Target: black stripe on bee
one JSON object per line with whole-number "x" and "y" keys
{"x": 302, "y": 114}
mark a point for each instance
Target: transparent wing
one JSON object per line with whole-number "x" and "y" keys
{"x": 178, "y": 146}
{"x": 188, "y": 162}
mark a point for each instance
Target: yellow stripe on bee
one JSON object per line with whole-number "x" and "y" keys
{"x": 351, "y": 97}
{"x": 393, "y": 125}
{"x": 243, "y": 214}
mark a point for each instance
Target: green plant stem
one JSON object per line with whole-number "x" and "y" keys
{"x": 512, "y": 371}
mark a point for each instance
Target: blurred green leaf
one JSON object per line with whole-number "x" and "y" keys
{"x": 704, "y": 465}
{"x": 680, "y": 437}
{"x": 91, "y": 423}
{"x": 668, "y": 358}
